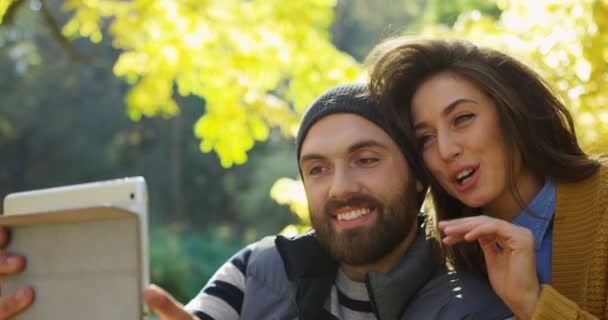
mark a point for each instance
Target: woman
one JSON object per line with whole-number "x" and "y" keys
{"x": 513, "y": 191}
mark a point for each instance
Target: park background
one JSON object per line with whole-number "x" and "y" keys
{"x": 203, "y": 98}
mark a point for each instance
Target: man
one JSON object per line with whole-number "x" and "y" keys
{"x": 368, "y": 257}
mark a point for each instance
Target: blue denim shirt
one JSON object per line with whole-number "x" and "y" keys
{"x": 543, "y": 205}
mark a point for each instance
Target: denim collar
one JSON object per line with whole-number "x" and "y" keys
{"x": 543, "y": 207}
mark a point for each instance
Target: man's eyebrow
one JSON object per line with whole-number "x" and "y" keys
{"x": 311, "y": 156}
{"x": 354, "y": 147}
{"x": 447, "y": 110}
{"x": 366, "y": 144}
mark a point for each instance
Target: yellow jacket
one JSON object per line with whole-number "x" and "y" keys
{"x": 579, "y": 272}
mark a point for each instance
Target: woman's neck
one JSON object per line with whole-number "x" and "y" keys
{"x": 507, "y": 207}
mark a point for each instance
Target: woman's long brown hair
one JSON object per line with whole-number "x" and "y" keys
{"x": 535, "y": 124}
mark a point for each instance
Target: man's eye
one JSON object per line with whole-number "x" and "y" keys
{"x": 316, "y": 170}
{"x": 463, "y": 118}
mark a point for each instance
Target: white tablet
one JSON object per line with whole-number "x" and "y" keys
{"x": 86, "y": 248}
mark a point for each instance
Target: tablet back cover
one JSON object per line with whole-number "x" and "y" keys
{"x": 83, "y": 263}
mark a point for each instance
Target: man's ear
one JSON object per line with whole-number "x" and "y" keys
{"x": 419, "y": 186}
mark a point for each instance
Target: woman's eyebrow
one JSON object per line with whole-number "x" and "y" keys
{"x": 447, "y": 110}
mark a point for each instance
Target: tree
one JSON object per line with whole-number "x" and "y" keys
{"x": 257, "y": 64}
{"x": 246, "y": 66}
{"x": 447, "y": 12}
{"x": 360, "y": 24}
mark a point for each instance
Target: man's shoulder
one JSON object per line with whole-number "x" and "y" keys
{"x": 457, "y": 295}
{"x": 279, "y": 253}
{"x": 271, "y": 247}
{"x": 264, "y": 254}
{"x": 273, "y": 266}
{"x": 296, "y": 257}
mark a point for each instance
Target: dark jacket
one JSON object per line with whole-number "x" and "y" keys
{"x": 292, "y": 279}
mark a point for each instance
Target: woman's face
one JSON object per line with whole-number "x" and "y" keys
{"x": 457, "y": 128}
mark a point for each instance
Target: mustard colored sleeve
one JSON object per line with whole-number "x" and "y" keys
{"x": 554, "y": 306}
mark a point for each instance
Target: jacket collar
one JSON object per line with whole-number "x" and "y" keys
{"x": 313, "y": 271}
{"x": 392, "y": 291}
{"x": 304, "y": 257}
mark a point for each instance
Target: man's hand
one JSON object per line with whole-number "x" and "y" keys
{"x": 13, "y": 303}
{"x": 164, "y": 305}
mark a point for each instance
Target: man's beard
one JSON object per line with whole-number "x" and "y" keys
{"x": 368, "y": 244}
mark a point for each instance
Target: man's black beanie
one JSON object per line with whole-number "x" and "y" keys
{"x": 352, "y": 98}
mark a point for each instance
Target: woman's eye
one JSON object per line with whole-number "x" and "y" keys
{"x": 367, "y": 161}
{"x": 460, "y": 119}
{"x": 424, "y": 140}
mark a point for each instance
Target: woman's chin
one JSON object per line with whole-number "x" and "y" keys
{"x": 473, "y": 202}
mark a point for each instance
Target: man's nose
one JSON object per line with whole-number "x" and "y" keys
{"x": 344, "y": 185}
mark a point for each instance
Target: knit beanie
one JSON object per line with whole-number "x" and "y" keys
{"x": 352, "y": 98}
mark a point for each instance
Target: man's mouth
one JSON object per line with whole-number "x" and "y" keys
{"x": 355, "y": 212}
{"x": 352, "y": 214}
{"x": 353, "y": 217}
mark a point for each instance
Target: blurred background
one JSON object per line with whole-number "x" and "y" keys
{"x": 203, "y": 98}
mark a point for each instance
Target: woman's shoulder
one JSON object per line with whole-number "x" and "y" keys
{"x": 603, "y": 170}
{"x": 591, "y": 190}
{"x": 599, "y": 181}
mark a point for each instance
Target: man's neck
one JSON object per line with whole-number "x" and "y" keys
{"x": 385, "y": 264}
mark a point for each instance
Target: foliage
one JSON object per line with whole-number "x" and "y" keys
{"x": 447, "y": 12}
{"x": 38, "y": 147}
{"x": 360, "y": 24}
{"x": 256, "y": 63}
{"x": 63, "y": 122}
{"x": 182, "y": 261}
{"x": 4, "y": 5}
{"x": 249, "y": 185}
{"x": 290, "y": 192}
{"x": 566, "y": 42}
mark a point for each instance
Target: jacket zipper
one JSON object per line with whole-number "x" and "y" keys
{"x": 372, "y": 299}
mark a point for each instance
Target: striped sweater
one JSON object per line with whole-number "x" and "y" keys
{"x": 222, "y": 297}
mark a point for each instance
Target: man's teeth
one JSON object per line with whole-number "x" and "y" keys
{"x": 464, "y": 173}
{"x": 346, "y": 216}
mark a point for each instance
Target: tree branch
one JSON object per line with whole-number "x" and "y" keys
{"x": 64, "y": 42}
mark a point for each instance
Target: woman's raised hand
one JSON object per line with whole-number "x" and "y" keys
{"x": 509, "y": 255}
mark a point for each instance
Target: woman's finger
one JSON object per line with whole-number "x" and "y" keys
{"x": 465, "y": 224}
{"x": 450, "y": 240}
{"x": 506, "y": 234}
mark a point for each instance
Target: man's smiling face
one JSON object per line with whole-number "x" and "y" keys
{"x": 361, "y": 193}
